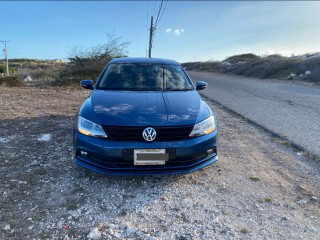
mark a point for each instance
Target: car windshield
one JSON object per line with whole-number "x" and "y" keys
{"x": 144, "y": 77}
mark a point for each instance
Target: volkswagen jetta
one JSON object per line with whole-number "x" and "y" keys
{"x": 144, "y": 117}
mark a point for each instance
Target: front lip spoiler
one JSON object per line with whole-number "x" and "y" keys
{"x": 165, "y": 171}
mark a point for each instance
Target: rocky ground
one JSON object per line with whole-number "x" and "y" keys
{"x": 261, "y": 188}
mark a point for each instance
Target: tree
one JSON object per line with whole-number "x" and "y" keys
{"x": 114, "y": 47}
{"x": 88, "y": 63}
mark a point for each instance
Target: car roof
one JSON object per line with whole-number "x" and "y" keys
{"x": 143, "y": 60}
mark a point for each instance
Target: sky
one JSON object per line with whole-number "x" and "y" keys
{"x": 187, "y": 30}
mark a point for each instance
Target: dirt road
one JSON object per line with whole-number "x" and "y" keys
{"x": 259, "y": 189}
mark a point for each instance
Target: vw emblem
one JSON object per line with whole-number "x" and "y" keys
{"x": 149, "y": 134}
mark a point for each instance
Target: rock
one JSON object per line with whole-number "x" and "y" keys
{"x": 313, "y": 198}
{"x": 130, "y": 230}
{"x": 139, "y": 233}
{"x": 225, "y": 229}
{"x": 94, "y": 234}
{"x": 122, "y": 226}
{"x": 22, "y": 182}
{"x": 34, "y": 163}
{"x": 311, "y": 229}
{"x": 152, "y": 238}
{"x": 44, "y": 137}
{"x": 6, "y": 227}
{"x": 302, "y": 202}
{"x": 299, "y": 153}
{"x": 226, "y": 63}
{"x": 118, "y": 235}
{"x": 307, "y": 72}
{"x": 112, "y": 226}
{"x": 27, "y": 79}
{"x": 291, "y": 76}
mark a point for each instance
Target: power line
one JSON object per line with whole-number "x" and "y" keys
{"x": 154, "y": 9}
{"x": 158, "y": 14}
{"x": 164, "y": 8}
{"x": 154, "y": 26}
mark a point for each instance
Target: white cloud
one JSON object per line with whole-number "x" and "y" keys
{"x": 177, "y": 31}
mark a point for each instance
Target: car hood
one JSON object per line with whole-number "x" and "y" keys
{"x": 128, "y": 108}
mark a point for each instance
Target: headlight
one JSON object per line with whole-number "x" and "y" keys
{"x": 205, "y": 127}
{"x": 89, "y": 128}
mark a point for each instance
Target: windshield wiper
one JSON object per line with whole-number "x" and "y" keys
{"x": 178, "y": 89}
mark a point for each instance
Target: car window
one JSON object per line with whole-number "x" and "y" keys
{"x": 132, "y": 77}
{"x": 176, "y": 79}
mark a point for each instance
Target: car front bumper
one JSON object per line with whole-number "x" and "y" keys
{"x": 116, "y": 157}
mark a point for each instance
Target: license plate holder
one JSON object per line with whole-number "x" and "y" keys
{"x": 150, "y": 156}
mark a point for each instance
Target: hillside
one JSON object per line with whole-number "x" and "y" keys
{"x": 305, "y": 67}
{"x": 56, "y": 72}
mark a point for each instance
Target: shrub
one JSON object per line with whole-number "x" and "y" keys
{"x": 278, "y": 67}
{"x": 88, "y": 63}
{"x": 315, "y": 75}
{"x": 191, "y": 65}
{"x": 203, "y": 66}
{"x": 12, "y": 81}
{"x": 242, "y": 58}
{"x": 2, "y": 68}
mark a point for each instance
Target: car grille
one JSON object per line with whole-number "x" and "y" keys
{"x": 119, "y": 133}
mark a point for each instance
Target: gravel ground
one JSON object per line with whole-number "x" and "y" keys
{"x": 260, "y": 188}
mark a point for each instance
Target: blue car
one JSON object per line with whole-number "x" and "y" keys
{"x": 144, "y": 117}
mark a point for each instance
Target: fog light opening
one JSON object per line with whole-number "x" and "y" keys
{"x": 210, "y": 151}
{"x": 84, "y": 153}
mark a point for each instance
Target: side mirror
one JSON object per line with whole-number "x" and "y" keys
{"x": 87, "y": 84}
{"x": 201, "y": 85}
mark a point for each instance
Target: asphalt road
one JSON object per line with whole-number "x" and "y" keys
{"x": 288, "y": 109}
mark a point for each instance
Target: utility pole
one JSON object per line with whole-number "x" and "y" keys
{"x": 150, "y": 37}
{"x": 6, "y": 55}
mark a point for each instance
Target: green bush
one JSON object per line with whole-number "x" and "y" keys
{"x": 12, "y": 81}
{"x": 2, "y": 68}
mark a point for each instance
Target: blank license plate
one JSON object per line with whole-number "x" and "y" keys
{"x": 150, "y": 156}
